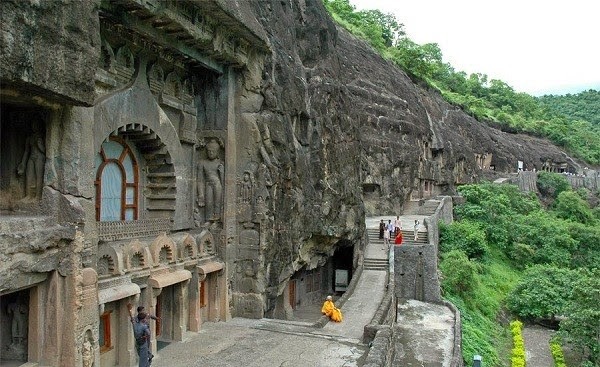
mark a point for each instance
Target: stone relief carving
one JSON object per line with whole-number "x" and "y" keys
{"x": 18, "y": 313}
{"x": 107, "y": 56}
{"x": 124, "y": 66}
{"x": 156, "y": 78}
{"x": 246, "y": 187}
{"x": 106, "y": 265}
{"x": 267, "y": 149}
{"x": 254, "y": 194}
{"x": 87, "y": 354}
{"x": 137, "y": 260}
{"x": 247, "y": 283}
{"x": 209, "y": 183}
{"x": 263, "y": 196}
{"x": 32, "y": 163}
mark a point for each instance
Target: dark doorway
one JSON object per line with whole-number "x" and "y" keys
{"x": 342, "y": 260}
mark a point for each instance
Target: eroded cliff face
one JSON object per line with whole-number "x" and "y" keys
{"x": 317, "y": 129}
{"x": 353, "y": 135}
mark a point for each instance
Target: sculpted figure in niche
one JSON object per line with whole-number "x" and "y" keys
{"x": 18, "y": 312}
{"x": 32, "y": 164}
{"x": 246, "y": 196}
{"x": 87, "y": 354}
{"x": 210, "y": 182}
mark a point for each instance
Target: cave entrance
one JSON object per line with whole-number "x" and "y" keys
{"x": 342, "y": 266}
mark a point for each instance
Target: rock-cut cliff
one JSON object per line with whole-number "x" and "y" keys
{"x": 353, "y": 134}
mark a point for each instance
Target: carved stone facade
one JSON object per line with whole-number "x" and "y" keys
{"x": 119, "y": 190}
{"x": 201, "y": 159}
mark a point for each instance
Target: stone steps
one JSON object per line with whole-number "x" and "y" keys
{"x": 375, "y": 264}
{"x": 407, "y": 237}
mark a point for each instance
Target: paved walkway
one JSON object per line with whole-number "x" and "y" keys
{"x": 424, "y": 335}
{"x": 268, "y": 342}
{"x": 537, "y": 346}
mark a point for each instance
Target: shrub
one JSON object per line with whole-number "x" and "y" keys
{"x": 557, "y": 353}
{"x": 569, "y": 205}
{"x": 587, "y": 253}
{"x": 517, "y": 358}
{"x": 466, "y": 236}
{"x": 546, "y": 235}
{"x": 543, "y": 292}
{"x": 583, "y": 315}
{"x": 459, "y": 274}
{"x": 551, "y": 184}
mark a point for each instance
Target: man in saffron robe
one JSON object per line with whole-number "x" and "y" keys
{"x": 331, "y": 311}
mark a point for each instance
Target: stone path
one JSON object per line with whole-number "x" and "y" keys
{"x": 424, "y": 335}
{"x": 268, "y": 342}
{"x": 537, "y": 346}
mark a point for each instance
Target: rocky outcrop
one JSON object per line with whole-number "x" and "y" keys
{"x": 51, "y": 48}
{"x": 352, "y": 133}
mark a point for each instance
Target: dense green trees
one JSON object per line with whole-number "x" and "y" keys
{"x": 582, "y": 325}
{"x": 552, "y": 251}
{"x": 551, "y": 184}
{"x": 581, "y": 106}
{"x": 571, "y": 122}
{"x": 542, "y": 293}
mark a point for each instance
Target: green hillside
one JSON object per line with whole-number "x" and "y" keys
{"x": 507, "y": 257}
{"x": 581, "y": 106}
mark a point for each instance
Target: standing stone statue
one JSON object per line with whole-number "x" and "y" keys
{"x": 18, "y": 312}
{"x": 246, "y": 197}
{"x": 210, "y": 175}
{"x": 87, "y": 354}
{"x": 32, "y": 164}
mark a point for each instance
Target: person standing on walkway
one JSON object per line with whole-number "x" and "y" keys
{"x": 398, "y": 239}
{"x": 381, "y": 229}
{"x": 386, "y": 238}
{"x": 416, "y": 229}
{"x": 397, "y": 225}
{"x": 141, "y": 333}
{"x": 135, "y": 319}
{"x": 390, "y": 228}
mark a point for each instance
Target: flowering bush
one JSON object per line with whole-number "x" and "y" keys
{"x": 518, "y": 352}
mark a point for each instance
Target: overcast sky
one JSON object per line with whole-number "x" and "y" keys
{"x": 535, "y": 46}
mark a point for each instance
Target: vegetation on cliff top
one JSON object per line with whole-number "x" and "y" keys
{"x": 506, "y": 252}
{"x": 570, "y": 121}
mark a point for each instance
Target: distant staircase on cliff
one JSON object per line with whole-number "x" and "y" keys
{"x": 371, "y": 263}
{"x": 428, "y": 208}
{"x": 408, "y": 237}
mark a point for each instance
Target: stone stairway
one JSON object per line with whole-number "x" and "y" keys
{"x": 428, "y": 208}
{"x": 408, "y": 237}
{"x": 373, "y": 263}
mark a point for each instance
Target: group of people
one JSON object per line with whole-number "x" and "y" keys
{"x": 141, "y": 333}
{"x": 394, "y": 230}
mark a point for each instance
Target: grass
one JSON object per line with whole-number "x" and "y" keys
{"x": 484, "y": 330}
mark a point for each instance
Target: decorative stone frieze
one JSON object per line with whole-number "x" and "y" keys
{"x": 111, "y": 231}
{"x": 163, "y": 250}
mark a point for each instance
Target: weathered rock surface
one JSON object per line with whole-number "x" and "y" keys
{"x": 342, "y": 119}
{"x": 51, "y": 47}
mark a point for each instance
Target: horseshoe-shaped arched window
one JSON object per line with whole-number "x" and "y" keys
{"x": 117, "y": 182}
